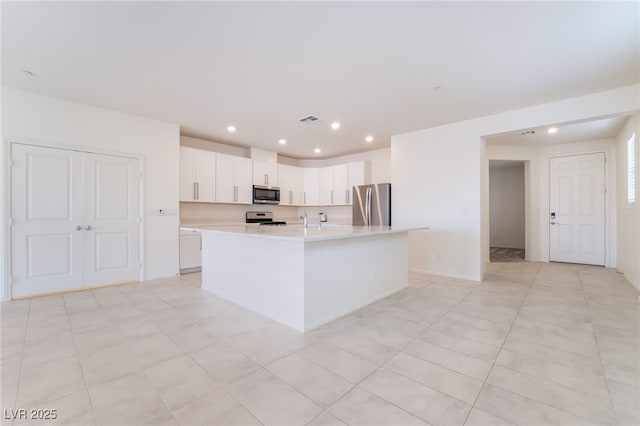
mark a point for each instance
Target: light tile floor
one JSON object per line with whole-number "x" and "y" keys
{"x": 534, "y": 344}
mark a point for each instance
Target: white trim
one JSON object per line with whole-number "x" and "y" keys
{"x": 344, "y": 312}
{"x": 5, "y": 214}
{"x": 445, "y": 274}
{"x": 609, "y": 203}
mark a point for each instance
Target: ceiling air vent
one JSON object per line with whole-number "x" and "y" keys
{"x": 309, "y": 119}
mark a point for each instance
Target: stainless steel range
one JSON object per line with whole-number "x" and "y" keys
{"x": 263, "y": 219}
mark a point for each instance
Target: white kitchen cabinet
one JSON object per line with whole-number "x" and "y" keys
{"x": 197, "y": 175}
{"x": 190, "y": 251}
{"x": 265, "y": 173}
{"x": 341, "y": 185}
{"x": 336, "y": 183}
{"x": 355, "y": 177}
{"x": 310, "y": 186}
{"x": 326, "y": 186}
{"x": 290, "y": 182}
{"x": 233, "y": 179}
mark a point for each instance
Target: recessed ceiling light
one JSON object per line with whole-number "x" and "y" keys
{"x": 552, "y": 130}
{"x": 27, "y": 73}
{"x": 231, "y": 129}
{"x": 317, "y": 150}
{"x": 369, "y": 139}
{"x": 335, "y": 125}
{"x": 282, "y": 141}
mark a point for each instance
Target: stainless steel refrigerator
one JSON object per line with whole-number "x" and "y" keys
{"x": 372, "y": 205}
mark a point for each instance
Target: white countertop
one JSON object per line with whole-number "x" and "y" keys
{"x": 298, "y": 232}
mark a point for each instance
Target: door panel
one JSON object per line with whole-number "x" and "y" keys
{"x": 112, "y": 187}
{"x": 112, "y": 212}
{"x": 48, "y": 255}
{"x": 112, "y": 250}
{"x": 577, "y": 197}
{"x": 46, "y": 206}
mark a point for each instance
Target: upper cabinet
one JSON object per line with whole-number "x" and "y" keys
{"x": 197, "y": 175}
{"x": 311, "y": 186}
{"x": 233, "y": 179}
{"x": 290, "y": 181}
{"x": 207, "y": 176}
{"x": 265, "y": 173}
{"x": 326, "y": 186}
{"x": 336, "y": 183}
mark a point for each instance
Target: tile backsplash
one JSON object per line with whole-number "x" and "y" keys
{"x": 235, "y": 213}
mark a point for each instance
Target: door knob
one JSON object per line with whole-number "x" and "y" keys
{"x": 88, "y": 227}
{"x": 78, "y": 228}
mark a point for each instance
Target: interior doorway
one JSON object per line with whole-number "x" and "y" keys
{"x": 507, "y": 211}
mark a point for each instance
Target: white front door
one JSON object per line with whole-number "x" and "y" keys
{"x": 577, "y": 209}
{"x": 75, "y": 219}
{"x": 46, "y": 212}
{"x": 112, "y": 216}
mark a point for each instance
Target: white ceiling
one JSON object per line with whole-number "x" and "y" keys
{"x": 370, "y": 65}
{"x": 604, "y": 128}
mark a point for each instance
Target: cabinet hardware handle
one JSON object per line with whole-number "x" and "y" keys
{"x": 197, "y": 190}
{"x": 304, "y": 197}
{"x": 331, "y": 197}
{"x": 290, "y": 197}
{"x": 266, "y": 179}
{"x": 88, "y": 227}
{"x": 235, "y": 193}
{"x": 346, "y": 196}
{"x": 195, "y": 197}
{"x": 78, "y": 228}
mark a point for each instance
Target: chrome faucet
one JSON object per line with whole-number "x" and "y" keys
{"x": 305, "y": 220}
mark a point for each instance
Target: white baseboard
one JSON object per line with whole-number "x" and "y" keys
{"x": 344, "y": 312}
{"x": 445, "y": 274}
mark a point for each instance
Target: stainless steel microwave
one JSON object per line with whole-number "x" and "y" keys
{"x": 266, "y": 194}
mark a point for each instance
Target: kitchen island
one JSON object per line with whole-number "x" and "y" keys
{"x": 303, "y": 277}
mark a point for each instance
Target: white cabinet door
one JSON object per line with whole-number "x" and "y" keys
{"x": 357, "y": 174}
{"x": 112, "y": 212}
{"x": 205, "y": 176}
{"x": 311, "y": 186}
{"x": 244, "y": 180}
{"x": 290, "y": 180}
{"x": 265, "y": 173}
{"x": 187, "y": 174}
{"x": 225, "y": 179}
{"x": 197, "y": 175}
{"x": 326, "y": 186}
{"x": 46, "y": 208}
{"x": 284, "y": 181}
{"x": 341, "y": 185}
{"x": 233, "y": 179}
{"x": 296, "y": 186}
{"x": 75, "y": 219}
{"x": 190, "y": 251}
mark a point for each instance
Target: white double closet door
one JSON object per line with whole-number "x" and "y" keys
{"x": 75, "y": 219}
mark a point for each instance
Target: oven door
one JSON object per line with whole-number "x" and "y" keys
{"x": 266, "y": 194}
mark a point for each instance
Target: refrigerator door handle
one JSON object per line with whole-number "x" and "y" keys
{"x": 368, "y": 207}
